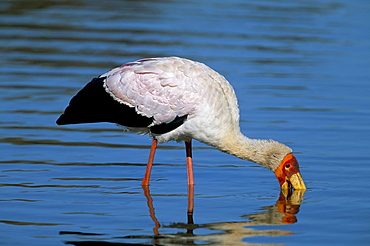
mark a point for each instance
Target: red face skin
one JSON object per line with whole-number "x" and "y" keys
{"x": 286, "y": 170}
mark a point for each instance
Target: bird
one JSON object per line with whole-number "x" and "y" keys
{"x": 173, "y": 98}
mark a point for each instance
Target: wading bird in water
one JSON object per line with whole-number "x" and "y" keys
{"x": 178, "y": 99}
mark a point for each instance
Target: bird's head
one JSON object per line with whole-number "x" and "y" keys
{"x": 288, "y": 174}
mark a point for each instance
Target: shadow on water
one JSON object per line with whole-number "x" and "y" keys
{"x": 283, "y": 212}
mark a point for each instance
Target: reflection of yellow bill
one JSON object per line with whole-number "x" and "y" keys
{"x": 292, "y": 197}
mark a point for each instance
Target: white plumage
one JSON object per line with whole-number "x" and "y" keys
{"x": 164, "y": 88}
{"x": 178, "y": 99}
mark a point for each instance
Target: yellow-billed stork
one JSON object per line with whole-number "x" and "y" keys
{"x": 178, "y": 99}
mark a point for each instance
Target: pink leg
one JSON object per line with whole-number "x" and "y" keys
{"x": 189, "y": 162}
{"x": 150, "y": 163}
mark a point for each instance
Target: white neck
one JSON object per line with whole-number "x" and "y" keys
{"x": 267, "y": 153}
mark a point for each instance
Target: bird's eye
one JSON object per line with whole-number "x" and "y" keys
{"x": 287, "y": 165}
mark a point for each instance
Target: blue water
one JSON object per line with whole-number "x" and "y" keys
{"x": 300, "y": 70}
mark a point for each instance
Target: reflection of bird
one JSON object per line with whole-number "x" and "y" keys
{"x": 234, "y": 233}
{"x": 283, "y": 212}
{"x": 228, "y": 233}
{"x": 178, "y": 99}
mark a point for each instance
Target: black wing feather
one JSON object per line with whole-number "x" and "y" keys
{"x": 93, "y": 104}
